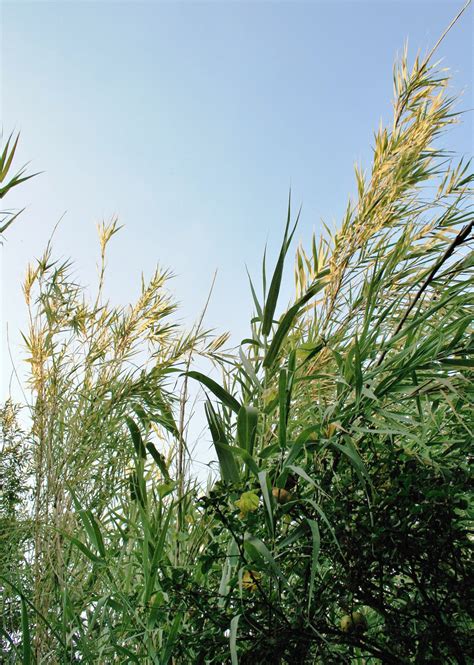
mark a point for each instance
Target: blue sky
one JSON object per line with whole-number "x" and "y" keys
{"x": 190, "y": 121}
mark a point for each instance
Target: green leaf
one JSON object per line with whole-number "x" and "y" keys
{"x": 136, "y": 437}
{"x": 170, "y": 642}
{"x": 249, "y": 369}
{"x": 247, "y": 421}
{"x": 28, "y": 603}
{"x": 288, "y": 319}
{"x": 252, "y": 543}
{"x": 282, "y": 397}
{"x": 263, "y": 479}
{"x": 16, "y": 180}
{"x": 26, "y": 638}
{"x": 90, "y": 525}
{"x": 226, "y": 398}
{"x": 457, "y": 362}
{"x": 252, "y": 342}
{"x": 254, "y": 296}
{"x": 229, "y": 469}
{"x": 294, "y": 535}
{"x": 159, "y": 459}
{"x": 301, "y": 472}
{"x": 165, "y": 416}
{"x": 233, "y": 640}
{"x": 357, "y": 369}
{"x": 84, "y": 549}
{"x": 323, "y": 516}
{"x": 355, "y": 459}
{"x": 273, "y": 293}
{"x": 269, "y": 451}
{"x": 7, "y": 156}
{"x": 126, "y": 652}
{"x": 314, "y": 557}
{"x": 309, "y": 350}
{"x": 243, "y": 454}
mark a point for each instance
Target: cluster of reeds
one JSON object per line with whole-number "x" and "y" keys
{"x": 338, "y": 530}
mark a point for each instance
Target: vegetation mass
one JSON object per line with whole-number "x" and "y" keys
{"x": 339, "y": 528}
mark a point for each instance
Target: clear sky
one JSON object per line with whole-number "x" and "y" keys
{"x": 190, "y": 121}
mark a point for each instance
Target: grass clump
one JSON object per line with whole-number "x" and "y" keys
{"x": 339, "y": 528}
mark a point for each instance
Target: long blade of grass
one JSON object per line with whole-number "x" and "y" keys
{"x": 233, "y": 639}
{"x": 275, "y": 284}
{"x": 314, "y": 558}
{"x": 225, "y": 397}
{"x": 228, "y": 466}
{"x": 247, "y": 421}
{"x": 26, "y": 637}
{"x": 288, "y": 319}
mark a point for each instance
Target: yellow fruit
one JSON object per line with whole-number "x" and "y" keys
{"x": 354, "y": 623}
{"x": 250, "y": 579}
{"x": 281, "y": 495}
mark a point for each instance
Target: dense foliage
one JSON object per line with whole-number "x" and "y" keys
{"x": 340, "y": 527}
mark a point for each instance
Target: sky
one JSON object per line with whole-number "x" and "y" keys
{"x": 190, "y": 121}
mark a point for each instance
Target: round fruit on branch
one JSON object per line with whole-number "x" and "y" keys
{"x": 354, "y": 623}
{"x": 281, "y": 495}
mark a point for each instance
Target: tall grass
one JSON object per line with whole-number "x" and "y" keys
{"x": 9, "y": 181}
{"x": 339, "y": 529}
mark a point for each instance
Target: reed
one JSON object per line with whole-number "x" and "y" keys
{"x": 338, "y": 530}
